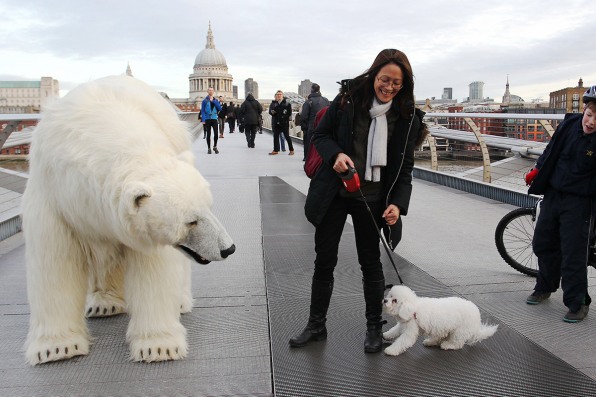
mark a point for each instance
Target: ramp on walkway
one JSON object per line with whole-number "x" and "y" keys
{"x": 505, "y": 364}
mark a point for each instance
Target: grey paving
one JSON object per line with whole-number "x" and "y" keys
{"x": 448, "y": 236}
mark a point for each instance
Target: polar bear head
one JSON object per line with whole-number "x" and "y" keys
{"x": 170, "y": 204}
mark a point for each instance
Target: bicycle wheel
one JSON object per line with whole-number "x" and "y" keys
{"x": 513, "y": 237}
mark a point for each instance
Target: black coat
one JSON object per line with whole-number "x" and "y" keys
{"x": 580, "y": 179}
{"x": 311, "y": 107}
{"x": 333, "y": 135}
{"x": 280, "y": 113}
{"x": 250, "y": 111}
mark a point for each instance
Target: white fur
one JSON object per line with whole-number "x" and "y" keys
{"x": 112, "y": 197}
{"x": 447, "y": 322}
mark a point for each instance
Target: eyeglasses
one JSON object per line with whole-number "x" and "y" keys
{"x": 385, "y": 81}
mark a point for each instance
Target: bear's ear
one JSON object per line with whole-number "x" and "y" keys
{"x": 187, "y": 157}
{"x": 134, "y": 195}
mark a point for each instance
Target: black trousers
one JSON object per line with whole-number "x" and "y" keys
{"x": 211, "y": 124}
{"x": 250, "y": 130}
{"x": 277, "y": 131}
{"x": 231, "y": 124}
{"x": 328, "y": 235}
{"x": 560, "y": 242}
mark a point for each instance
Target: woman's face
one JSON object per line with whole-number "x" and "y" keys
{"x": 388, "y": 82}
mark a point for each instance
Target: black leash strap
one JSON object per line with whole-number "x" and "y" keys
{"x": 380, "y": 236}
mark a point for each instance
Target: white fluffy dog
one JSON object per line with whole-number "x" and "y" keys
{"x": 447, "y": 322}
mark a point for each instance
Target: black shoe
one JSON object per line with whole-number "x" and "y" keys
{"x": 208, "y": 151}
{"x": 373, "y": 343}
{"x": 578, "y": 316}
{"x": 309, "y": 334}
{"x": 537, "y": 297}
{"x": 215, "y": 150}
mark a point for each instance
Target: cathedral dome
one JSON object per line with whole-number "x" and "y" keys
{"x": 210, "y": 56}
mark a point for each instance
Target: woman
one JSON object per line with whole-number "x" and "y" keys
{"x": 372, "y": 126}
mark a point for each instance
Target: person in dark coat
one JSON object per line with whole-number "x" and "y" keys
{"x": 250, "y": 111}
{"x": 231, "y": 117}
{"x": 310, "y": 108}
{"x": 221, "y": 116}
{"x": 280, "y": 112}
{"x": 565, "y": 174}
{"x": 373, "y": 127}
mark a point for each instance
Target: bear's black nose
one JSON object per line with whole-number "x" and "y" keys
{"x": 228, "y": 251}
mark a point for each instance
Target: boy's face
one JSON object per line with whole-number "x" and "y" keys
{"x": 589, "y": 119}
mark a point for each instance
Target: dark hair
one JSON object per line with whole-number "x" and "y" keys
{"x": 362, "y": 86}
{"x": 315, "y": 87}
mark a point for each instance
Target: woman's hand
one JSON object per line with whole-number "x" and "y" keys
{"x": 342, "y": 163}
{"x": 391, "y": 214}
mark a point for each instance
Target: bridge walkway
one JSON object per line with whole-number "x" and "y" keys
{"x": 248, "y": 306}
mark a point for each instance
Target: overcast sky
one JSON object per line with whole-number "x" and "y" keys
{"x": 543, "y": 45}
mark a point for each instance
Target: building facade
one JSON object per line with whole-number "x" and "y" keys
{"x": 27, "y": 96}
{"x": 251, "y": 86}
{"x": 210, "y": 70}
{"x": 304, "y": 88}
{"x": 476, "y": 91}
{"x": 569, "y": 98}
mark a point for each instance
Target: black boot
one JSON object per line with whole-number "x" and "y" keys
{"x": 373, "y": 295}
{"x": 319, "y": 303}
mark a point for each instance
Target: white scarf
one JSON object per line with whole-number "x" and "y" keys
{"x": 376, "y": 152}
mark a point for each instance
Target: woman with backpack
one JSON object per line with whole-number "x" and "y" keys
{"x": 372, "y": 126}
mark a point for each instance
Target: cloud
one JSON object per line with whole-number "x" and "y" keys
{"x": 539, "y": 44}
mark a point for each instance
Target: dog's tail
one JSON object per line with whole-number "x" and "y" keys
{"x": 484, "y": 332}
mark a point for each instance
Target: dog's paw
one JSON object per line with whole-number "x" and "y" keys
{"x": 44, "y": 349}
{"x": 448, "y": 345}
{"x": 158, "y": 348}
{"x": 428, "y": 342}
{"x": 387, "y": 336}
{"x": 101, "y": 304}
{"x": 392, "y": 351}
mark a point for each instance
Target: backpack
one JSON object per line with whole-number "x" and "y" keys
{"x": 313, "y": 158}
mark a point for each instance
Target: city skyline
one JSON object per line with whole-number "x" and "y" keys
{"x": 538, "y": 44}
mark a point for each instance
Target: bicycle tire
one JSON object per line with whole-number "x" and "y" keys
{"x": 513, "y": 237}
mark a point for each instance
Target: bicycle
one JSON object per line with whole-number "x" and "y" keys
{"x": 513, "y": 237}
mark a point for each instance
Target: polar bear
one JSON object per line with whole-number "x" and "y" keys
{"x": 113, "y": 212}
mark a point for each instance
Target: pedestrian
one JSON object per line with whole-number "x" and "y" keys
{"x": 209, "y": 109}
{"x": 310, "y": 108}
{"x": 280, "y": 111}
{"x": 565, "y": 174}
{"x": 250, "y": 111}
{"x": 202, "y": 125}
{"x": 221, "y": 116}
{"x": 231, "y": 117}
{"x": 372, "y": 126}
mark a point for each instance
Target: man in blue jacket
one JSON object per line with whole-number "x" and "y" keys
{"x": 566, "y": 175}
{"x": 210, "y": 107}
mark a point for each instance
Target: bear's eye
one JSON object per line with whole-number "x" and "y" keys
{"x": 193, "y": 223}
{"x": 394, "y": 301}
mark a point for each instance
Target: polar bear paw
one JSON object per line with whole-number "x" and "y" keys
{"x": 102, "y": 304}
{"x": 47, "y": 349}
{"x": 158, "y": 348}
{"x": 186, "y": 305}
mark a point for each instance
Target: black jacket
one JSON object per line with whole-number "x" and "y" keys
{"x": 311, "y": 107}
{"x": 280, "y": 113}
{"x": 250, "y": 111}
{"x": 576, "y": 173}
{"x": 333, "y": 135}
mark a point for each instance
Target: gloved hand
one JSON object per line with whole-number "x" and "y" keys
{"x": 531, "y": 175}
